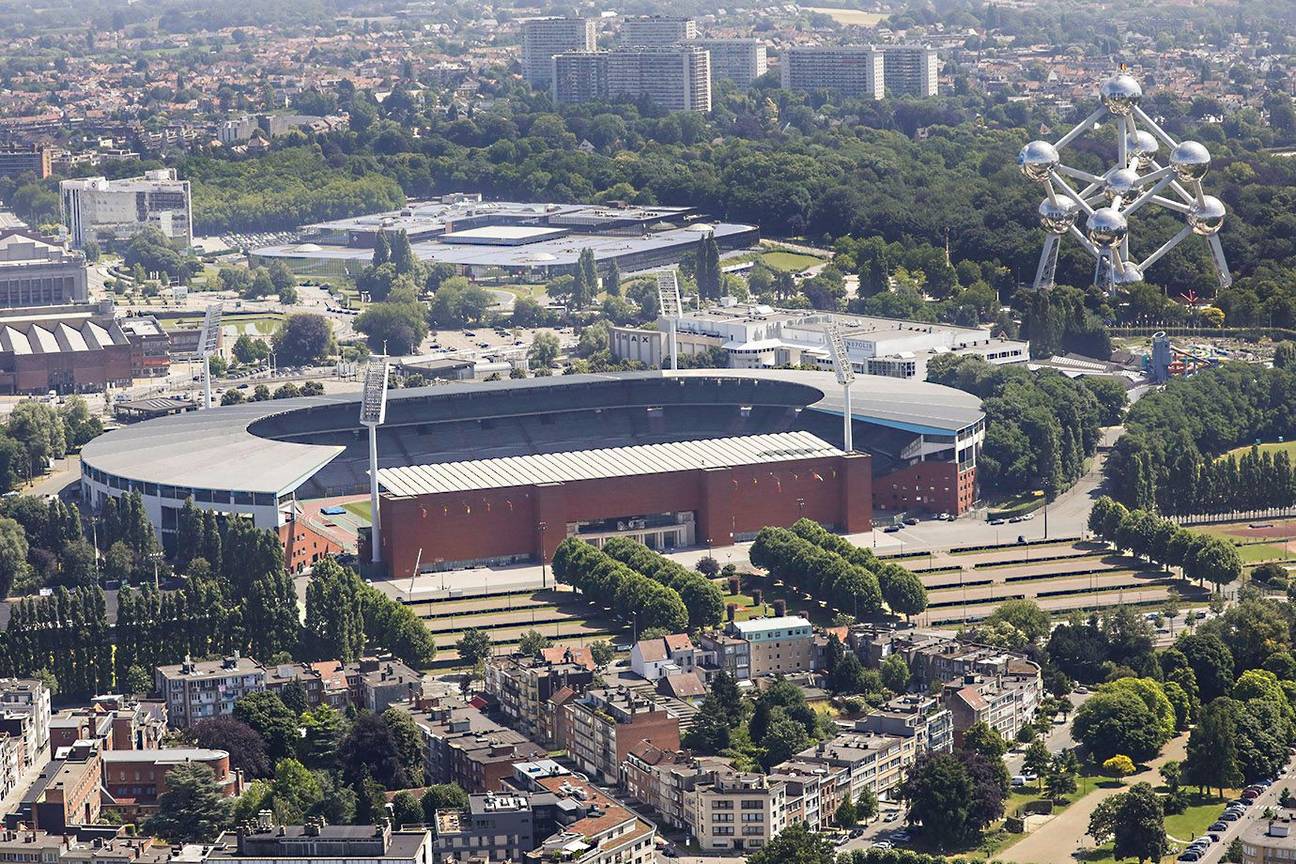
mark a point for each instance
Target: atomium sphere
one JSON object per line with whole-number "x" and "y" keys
{"x": 1120, "y": 93}
{"x": 1142, "y": 147}
{"x": 1106, "y": 227}
{"x": 1206, "y": 217}
{"x": 1128, "y": 274}
{"x": 1037, "y": 159}
{"x": 1057, "y": 216}
{"x": 1190, "y": 160}
{"x": 1120, "y": 181}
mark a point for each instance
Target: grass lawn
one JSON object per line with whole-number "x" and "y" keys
{"x": 794, "y": 261}
{"x": 1196, "y": 819}
{"x": 1288, "y": 447}
{"x": 359, "y": 509}
{"x": 1254, "y": 553}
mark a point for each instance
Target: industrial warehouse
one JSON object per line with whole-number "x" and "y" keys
{"x": 531, "y": 242}
{"x": 504, "y": 471}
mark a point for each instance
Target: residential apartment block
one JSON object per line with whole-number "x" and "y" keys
{"x": 37, "y": 272}
{"x": 910, "y": 70}
{"x": 916, "y": 716}
{"x": 777, "y": 646}
{"x": 599, "y": 727}
{"x": 266, "y": 843}
{"x": 116, "y": 722}
{"x": 1004, "y": 702}
{"x": 19, "y": 159}
{"x": 849, "y": 71}
{"x": 736, "y": 810}
{"x": 657, "y": 30}
{"x": 863, "y": 760}
{"x": 542, "y": 38}
{"x": 524, "y": 686}
{"x": 497, "y": 827}
{"x": 741, "y": 61}
{"x": 199, "y": 690}
{"x": 66, "y": 795}
{"x": 673, "y": 77}
{"x": 462, "y": 745}
{"x": 107, "y": 211}
{"x": 25, "y": 715}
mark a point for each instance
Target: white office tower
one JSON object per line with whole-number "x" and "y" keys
{"x": 579, "y": 76}
{"x": 910, "y": 70}
{"x": 542, "y": 38}
{"x": 103, "y": 210}
{"x": 657, "y": 30}
{"x": 741, "y": 61}
{"x": 846, "y": 70}
{"x": 675, "y": 78}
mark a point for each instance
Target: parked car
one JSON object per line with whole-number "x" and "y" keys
{"x": 891, "y": 529}
{"x": 912, "y": 520}
{"x": 1230, "y": 816}
{"x": 891, "y": 816}
{"x": 1218, "y": 826}
{"x": 1014, "y": 520}
{"x": 1190, "y": 855}
{"x": 996, "y": 521}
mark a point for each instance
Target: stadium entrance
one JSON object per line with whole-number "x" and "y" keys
{"x": 656, "y": 530}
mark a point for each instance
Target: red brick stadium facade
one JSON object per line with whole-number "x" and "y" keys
{"x": 727, "y": 502}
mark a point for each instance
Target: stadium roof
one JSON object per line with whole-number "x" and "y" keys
{"x": 214, "y": 449}
{"x": 603, "y": 463}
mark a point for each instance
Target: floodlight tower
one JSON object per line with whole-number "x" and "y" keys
{"x": 207, "y": 347}
{"x": 845, "y": 377}
{"x": 1105, "y": 202}
{"x": 373, "y": 411}
{"x": 672, "y": 308}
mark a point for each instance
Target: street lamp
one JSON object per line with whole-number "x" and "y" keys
{"x": 544, "y": 578}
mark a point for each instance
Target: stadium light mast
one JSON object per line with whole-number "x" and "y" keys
{"x": 373, "y": 411}
{"x": 845, "y": 377}
{"x": 672, "y": 308}
{"x": 207, "y": 347}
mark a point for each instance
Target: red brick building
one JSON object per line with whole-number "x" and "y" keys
{"x": 769, "y": 480}
{"x": 133, "y": 779}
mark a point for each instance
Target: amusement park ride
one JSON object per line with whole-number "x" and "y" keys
{"x": 1108, "y": 201}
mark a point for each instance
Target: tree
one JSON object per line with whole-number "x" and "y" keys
{"x": 1211, "y": 662}
{"x": 707, "y": 268}
{"x": 1139, "y": 825}
{"x": 442, "y": 796}
{"x": 796, "y": 844}
{"x": 370, "y": 751}
{"x": 1119, "y": 765}
{"x": 322, "y": 731}
{"x": 902, "y": 590}
{"x": 334, "y": 613}
{"x": 266, "y": 713}
{"x": 1025, "y": 615}
{"x": 543, "y": 351}
{"x": 138, "y": 681}
{"x": 981, "y": 738}
{"x": 1119, "y": 721}
{"x": 294, "y": 792}
{"x": 783, "y": 738}
{"x": 846, "y": 816}
{"x": 866, "y": 806}
{"x": 303, "y": 338}
{"x": 382, "y": 250}
{"x": 1102, "y": 821}
{"x": 895, "y": 673}
{"x": 193, "y": 809}
{"x": 13, "y": 555}
{"x": 406, "y": 810}
{"x": 474, "y": 646}
{"x": 939, "y": 791}
{"x": 602, "y": 652}
{"x": 245, "y": 745}
{"x": 710, "y": 733}
{"x": 1037, "y": 759}
{"x": 405, "y": 733}
{"x": 1213, "y": 748}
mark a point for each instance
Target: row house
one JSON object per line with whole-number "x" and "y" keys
{"x": 1005, "y": 702}
{"x": 652, "y": 659}
{"x": 462, "y": 745}
{"x": 117, "y": 722}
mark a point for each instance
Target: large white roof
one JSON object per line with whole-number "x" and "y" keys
{"x": 604, "y": 463}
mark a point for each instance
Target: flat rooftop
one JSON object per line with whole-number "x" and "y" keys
{"x": 604, "y": 463}
{"x": 503, "y": 235}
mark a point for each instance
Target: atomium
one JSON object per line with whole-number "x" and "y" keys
{"x": 1107, "y": 201}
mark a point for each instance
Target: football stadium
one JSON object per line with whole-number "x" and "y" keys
{"x": 501, "y": 472}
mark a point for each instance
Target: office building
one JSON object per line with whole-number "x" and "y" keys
{"x": 910, "y": 70}
{"x": 111, "y": 211}
{"x": 657, "y": 30}
{"x": 19, "y": 159}
{"x": 599, "y": 727}
{"x": 847, "y": 71}
{"x": 200, "y": 690}
{"x": 778, "y": 646}
{"x": 674, "y": 77}
{"x": 741, "y": 61}
{"x": 37, "y": 272}
{"x": 542, "y": 38}
{"x": 313, "y": 843}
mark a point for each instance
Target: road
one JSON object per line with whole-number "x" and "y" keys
{"x": 1267, "y": 798}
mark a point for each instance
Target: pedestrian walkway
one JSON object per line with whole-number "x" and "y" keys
{"x": 1060, "y": 840}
